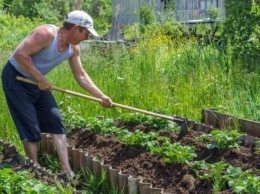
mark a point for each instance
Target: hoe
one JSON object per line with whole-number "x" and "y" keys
{"x": 181, "y": 122}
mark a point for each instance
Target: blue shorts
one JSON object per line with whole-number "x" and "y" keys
{"x": 33, "y": 111}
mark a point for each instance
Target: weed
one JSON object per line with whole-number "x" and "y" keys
{"x": 51, "y": 162}
{"x": 92, "y": 184}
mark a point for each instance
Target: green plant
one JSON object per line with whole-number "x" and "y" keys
{"x": 154, "y": 122}
{"x": 242, "y": 18}
{"x": 214, "y": 173}
{"x": 177, "y": 153}
{"x": 146, "y": 14}
{"x": 223, "y": 176}
{"x": 93, "y": 184}
{"x": 226, "y": 139}
{"x": 249, "y": 184}
{"x": 9, "y": 38}
{"x": 50, "y": 162}
{"x": 20, "y": 182}
{"x": 68, "y": 189}
{"x": 71, "y": 116}
{"x": 214, "y": 12}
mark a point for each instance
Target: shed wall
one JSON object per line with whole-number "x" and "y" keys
{"x": 197, "y": 9}
{"x": 185, "y": 10}
{"x": 128, "y": 9}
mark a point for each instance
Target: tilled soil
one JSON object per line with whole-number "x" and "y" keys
{"x": 136, "y": 161}
{"x": 173, "y": 178}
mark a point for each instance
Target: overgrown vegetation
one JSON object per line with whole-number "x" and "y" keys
{"x": 242, "y": 30}
{"x": 38, "y": 9}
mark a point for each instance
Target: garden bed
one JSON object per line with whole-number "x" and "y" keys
{"x": 173, "y": 178}
{"x": 132, "y": 168}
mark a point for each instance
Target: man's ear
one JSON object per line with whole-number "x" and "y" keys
{"x": 75, "y": 27}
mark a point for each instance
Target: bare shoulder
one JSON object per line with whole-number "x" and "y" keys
{"x": 45, "y": 32}
{"x": 39, "y": 38}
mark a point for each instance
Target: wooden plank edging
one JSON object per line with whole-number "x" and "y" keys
{"x": 221, "y": 120}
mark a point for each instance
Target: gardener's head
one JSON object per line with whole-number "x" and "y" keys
{"x": 82, "y": 19}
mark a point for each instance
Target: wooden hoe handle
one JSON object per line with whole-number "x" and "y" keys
{"x": 99, "y": 100}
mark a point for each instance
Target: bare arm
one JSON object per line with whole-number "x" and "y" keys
{"x": 83, "y": 78}
{"x": 39, "y": 39}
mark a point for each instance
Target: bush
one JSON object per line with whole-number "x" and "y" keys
{"x": 242, "y": 28}
{"x": 13, "y": 30}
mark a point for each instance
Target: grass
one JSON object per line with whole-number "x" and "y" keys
{"x": 177, "y": 77}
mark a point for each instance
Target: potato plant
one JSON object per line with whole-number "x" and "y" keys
{"x": 221, "y": 139}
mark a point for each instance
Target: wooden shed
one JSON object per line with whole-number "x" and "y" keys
{"x": 188, "y": 12}
{"x": 184, "y": 10}
{"x": 129, "y": 9}
{"x": 199, "y": 10}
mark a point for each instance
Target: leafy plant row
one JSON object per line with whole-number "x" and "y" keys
{"x": 225, "y": 176}
{"x": 220, "y": 174}
{"x": 157, "y": 144}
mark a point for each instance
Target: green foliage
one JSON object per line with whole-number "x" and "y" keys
{"x": 213, "y": 12}
{"x": 40, "y": 9}
{"x": 21, "y": 8}
{"x": 223, "y": 175}
{"x": 131, "y": 33}
{"x": 150, "y": 121}
{"x": 241, "y": 28}
{"x": 226, "y": 139}
{"x": 1, "y": 6}
{"x": 146, "y": 17}
{"x": 171, "y": 28}
{"x": 177, "y": 153}
{"x": 51, "y": 162}
{"x": 152, "y": 141}
{"x": 9, "y": 37}
{"x": 138, "y": 138}
{"x": 93, "y": 184}
{"x": 59, "y": 11}
{"x": 160, "y": 146}
{"x": 71, "y": 115}
{"x": 247, "y": 184}
{"x": 100, "y": 10}
{"x": 212, "y": 173}
{"x": 20, "y": 182}
{"x": 68, "y": 189}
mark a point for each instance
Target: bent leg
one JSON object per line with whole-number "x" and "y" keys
{"x": 20, "y": 98}
{"x": 60, "y": 142}
{"x": 50, "y": 120}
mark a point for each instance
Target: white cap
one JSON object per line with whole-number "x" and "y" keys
{"x": 81, "y": 18}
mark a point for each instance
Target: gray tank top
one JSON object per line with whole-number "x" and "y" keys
{"x": 46, "y": 59}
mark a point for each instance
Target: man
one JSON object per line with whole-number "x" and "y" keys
{"x": 33, "y": 108}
